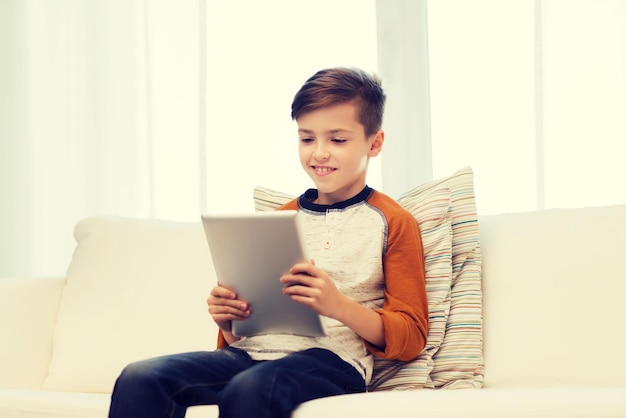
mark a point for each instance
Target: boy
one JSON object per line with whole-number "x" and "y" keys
{"x": 366, "y": 277}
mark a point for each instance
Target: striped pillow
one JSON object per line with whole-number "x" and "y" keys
{"x": 457, "y": 362}
{"x": 446, "y": 213}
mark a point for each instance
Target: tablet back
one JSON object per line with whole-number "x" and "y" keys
{"x": 250, "y": 252}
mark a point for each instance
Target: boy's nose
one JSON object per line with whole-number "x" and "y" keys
{"x": 321, "y": 153}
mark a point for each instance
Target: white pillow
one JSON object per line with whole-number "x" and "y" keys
{"x": 135, "y": 289}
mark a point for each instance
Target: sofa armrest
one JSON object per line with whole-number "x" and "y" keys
{"x": 28, "y": 313}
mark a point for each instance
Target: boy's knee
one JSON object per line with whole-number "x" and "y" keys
{"x": 246, "y": 382}
{"x": 261, "y": 383}
{"x": 258, "y": 394}
{"x": 140, "y": 372}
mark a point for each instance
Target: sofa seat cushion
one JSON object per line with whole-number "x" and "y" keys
{"x": 51, "y": 404}
{"x": 565, "y": 402}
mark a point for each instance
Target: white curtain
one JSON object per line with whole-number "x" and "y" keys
{"x": 106, "y": 121}
{"x": 531, "y": 94}
{"x": 154, "y": 109}
{"x": 160, "y": 109}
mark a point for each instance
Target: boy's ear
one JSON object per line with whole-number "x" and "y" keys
{"x": 377, "y": 143}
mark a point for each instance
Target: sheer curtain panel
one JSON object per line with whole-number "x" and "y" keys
{"x": 100, "y": 115}
{"x": 154, "y": 109}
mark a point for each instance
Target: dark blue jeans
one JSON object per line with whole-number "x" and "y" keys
{"x": 241, "y": 387}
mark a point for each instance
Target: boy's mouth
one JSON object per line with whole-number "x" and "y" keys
{"x": 322, "y": 170}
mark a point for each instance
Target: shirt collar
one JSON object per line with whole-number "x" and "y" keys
{"x": 307, "y": 198}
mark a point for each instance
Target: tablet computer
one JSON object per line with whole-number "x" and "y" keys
{"x": 250, "y": 253}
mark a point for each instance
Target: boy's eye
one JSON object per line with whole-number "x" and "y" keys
{"x": 338, "y": 141}
{"x": 306, "y": 140}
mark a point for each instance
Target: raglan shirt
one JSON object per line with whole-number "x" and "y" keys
{"x": 372, "y": 249}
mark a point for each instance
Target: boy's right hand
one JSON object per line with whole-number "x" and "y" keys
{"x": 225, "y": 307}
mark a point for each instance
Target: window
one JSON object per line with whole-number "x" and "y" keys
{"x": 533, "y": 97}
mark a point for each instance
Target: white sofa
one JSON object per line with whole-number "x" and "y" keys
{"x": 554, "y": 284}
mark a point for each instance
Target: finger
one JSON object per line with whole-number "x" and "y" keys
{"x": 223, "y": 292}
{"x": 218, "y": 302}
{"x": 224, "y": 311}
{"x": 224, "y": 317}
{"x": 304, "y": 268}
{"x": 297, "y": 279}
{"x": 305, "y": 300}
{"x": 302, "y": 291}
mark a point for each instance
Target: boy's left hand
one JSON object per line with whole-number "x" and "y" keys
{"x": 307, "y": 284}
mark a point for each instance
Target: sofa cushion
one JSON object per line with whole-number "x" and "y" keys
{"x": 52, "y": 404}
{"x": 578, "y": 402}
{"x": 555, "y": 282}
{"x": 445, "y": 209}
{"x": 135, "y": 289}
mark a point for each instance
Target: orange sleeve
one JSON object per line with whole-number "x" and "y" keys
{"x": 221, "y": 341}
{"x": 405, "y": 307}
{"x": 291, "y": 205}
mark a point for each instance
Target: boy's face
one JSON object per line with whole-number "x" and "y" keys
{"x": 335, "y": 152}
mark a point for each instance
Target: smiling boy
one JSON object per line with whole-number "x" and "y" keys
{"x": 366, "y": 278}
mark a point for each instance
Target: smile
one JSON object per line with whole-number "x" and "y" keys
{"x": 322, "y": 170}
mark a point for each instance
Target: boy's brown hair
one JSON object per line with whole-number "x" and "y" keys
{"x": 339, "y": 85}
